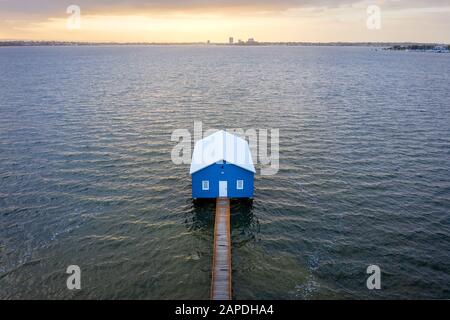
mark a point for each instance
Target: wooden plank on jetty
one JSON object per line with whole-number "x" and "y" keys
{"x": 221, "y": 270}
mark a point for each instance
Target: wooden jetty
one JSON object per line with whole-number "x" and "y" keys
{"x": 221, "y": 269}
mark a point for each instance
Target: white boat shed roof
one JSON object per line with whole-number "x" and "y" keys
{"x": 222, "y": 146}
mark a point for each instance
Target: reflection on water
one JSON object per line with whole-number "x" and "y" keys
{"x": 201, "y": 215}
{"x": 244, "y": 225}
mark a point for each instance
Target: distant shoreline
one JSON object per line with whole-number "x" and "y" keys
{"x": 386, "y": 45}
{"x": 438, "y": 48}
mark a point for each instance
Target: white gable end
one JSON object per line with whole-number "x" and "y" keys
{"x": 221, "y": 146}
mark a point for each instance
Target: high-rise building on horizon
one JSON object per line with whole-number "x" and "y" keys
{"x": 231, "y": 40}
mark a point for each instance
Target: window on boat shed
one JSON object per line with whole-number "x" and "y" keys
{"x": 205, "y": 185}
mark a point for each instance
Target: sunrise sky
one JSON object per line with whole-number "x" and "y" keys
{"x": 216, "y": 20}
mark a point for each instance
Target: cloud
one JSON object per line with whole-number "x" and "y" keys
{"x": 139, "y": 6}
{"x": 194, "y": 20}
{"x": 56, "y": 8}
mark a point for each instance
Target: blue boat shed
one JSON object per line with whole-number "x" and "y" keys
{"x": 222, "y": 167}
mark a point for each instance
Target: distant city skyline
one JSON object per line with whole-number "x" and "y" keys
{"x": 218, "y": 21}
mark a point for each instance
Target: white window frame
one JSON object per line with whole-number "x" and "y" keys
{"x": 242, "y": 184}
{"x": 205, "y": 185}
